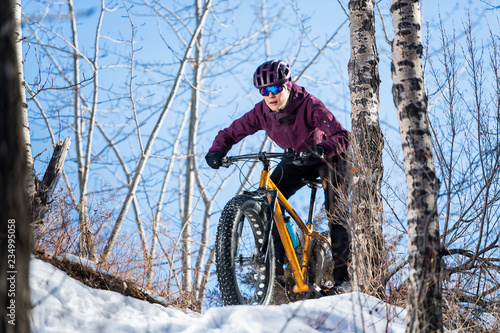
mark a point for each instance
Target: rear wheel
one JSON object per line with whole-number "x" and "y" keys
{"x": 320, "y": 270}
{"x": 245, "y": 275}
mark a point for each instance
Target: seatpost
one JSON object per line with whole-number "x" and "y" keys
{"x": 312, "y": 202}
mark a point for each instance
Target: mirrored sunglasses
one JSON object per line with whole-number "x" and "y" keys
{"x": 272, "y": 89}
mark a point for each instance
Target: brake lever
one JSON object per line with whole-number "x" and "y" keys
{"x": 226, "y": 162}
{"x": 299, "y": 159}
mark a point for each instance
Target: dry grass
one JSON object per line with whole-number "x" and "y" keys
{"x": 59, "y": 234}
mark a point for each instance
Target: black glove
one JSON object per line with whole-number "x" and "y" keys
{"x": 314, "y": 154}
{"x": 214, "y": 159}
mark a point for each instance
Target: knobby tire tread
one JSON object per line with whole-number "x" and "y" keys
{"x": 225, "y": 242}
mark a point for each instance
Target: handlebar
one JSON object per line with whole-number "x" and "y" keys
{"x": 264, "y": 157}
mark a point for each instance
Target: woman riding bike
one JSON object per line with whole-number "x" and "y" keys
{"x": 293, "y": 118}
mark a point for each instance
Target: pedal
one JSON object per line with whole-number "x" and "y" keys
{"x": 319, "y": 291}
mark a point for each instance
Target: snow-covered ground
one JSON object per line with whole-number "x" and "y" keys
{"x": 62, "y": 304}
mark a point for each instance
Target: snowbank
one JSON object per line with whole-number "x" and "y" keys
{"x": 62, "y": 304}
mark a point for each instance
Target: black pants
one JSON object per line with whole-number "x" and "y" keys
{"x": 334, "y": 173}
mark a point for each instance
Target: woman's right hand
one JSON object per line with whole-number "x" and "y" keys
{"x": 214, "y": 159}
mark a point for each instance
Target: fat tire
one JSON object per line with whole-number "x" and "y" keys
{"x": 320, "y": 263}
{"x": 252, "y": 282}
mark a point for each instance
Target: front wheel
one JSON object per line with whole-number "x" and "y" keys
{"x": 245, "y": 275}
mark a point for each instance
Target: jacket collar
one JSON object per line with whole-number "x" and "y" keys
{"x": 287, "y": 114}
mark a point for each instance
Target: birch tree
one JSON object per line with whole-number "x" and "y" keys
{"x": 424, "y": 296}
{"x": 369, "y": 262}
{"x": 83, "y": 159}
{"x": 15, "y": 232}
{"x": 18, "y": 33}
{"x": 191, "y": 142}
{"x": 39, "y": 193}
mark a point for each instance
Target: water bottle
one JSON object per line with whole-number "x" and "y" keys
{"x": 292, "y": 232}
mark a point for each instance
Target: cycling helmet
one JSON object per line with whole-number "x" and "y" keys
{"x": 272, "y": 73}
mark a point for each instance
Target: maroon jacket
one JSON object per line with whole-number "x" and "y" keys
{"x": 304, "y": 123}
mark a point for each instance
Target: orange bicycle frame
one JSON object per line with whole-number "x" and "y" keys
{"x": 299, "y": 271}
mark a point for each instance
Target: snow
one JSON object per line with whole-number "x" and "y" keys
{"x": 62, "y": 304}
{"x": 81, "y": 261}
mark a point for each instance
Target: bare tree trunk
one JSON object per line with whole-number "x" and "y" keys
{"x": 31, "y": 180}
{"x": 137, "y": 210}
{"x": 14, "y": 223}
{"x": 45, "y": 188}
{"x": 87, "y": 245}
{"x": 203, "y": 269}
{"x": 157, "y": 218}
{"x": 190, "y": 160}
{"x": 424, "y": 295}
{"x": 38, "y": 192}
{"x": 149, "y": 146}
{"x": 78, "y": 128}
{"x": 369, "y": 262}
{"x": 201, "y": 288}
